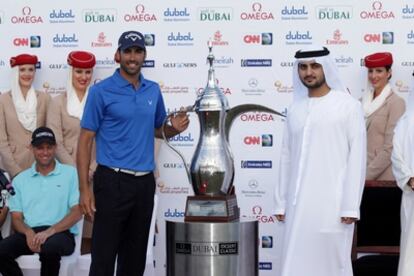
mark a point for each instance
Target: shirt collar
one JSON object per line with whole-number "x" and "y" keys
{"x": 55, "y": 171}
{"x": 121, "y": 82}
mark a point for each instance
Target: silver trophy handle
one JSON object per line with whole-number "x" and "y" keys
{"x": 238, "y": 110}
{"x": 187, "y": 170}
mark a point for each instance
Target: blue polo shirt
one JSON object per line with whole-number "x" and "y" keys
{"x": 45, "y": 200}
{"x": 124, "y": 120}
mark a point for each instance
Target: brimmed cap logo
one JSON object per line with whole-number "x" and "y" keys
{"x": 129, "y": 39}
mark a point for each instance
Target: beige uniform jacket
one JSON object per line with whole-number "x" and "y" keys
{"x": 14, "y": 138}
{"x": 380, "y": 130}
{"x": 67, "y": 130}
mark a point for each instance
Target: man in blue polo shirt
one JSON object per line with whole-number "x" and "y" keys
{"x": 44, "y": 210}
{"x": 123, "y": 113}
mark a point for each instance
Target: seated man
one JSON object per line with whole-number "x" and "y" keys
{"x": 43, "y": 210}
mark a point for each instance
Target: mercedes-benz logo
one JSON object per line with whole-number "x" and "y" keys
{"x": 253, "y": 83}
{"x": 253, "y": 184}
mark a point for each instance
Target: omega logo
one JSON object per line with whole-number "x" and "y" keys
{"x": 140, "y": 8}
{"x": 26, "y": 10}
{"x": 257, "y": 6}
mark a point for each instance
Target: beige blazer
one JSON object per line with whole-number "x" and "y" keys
{"x": 380, "y": 130}
{"x": 67, "y": 130}
{"x": 14, "y": 138}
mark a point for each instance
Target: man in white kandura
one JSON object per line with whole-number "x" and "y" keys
{"x": 403, "y": 169}
{"x": 322, "y": 170}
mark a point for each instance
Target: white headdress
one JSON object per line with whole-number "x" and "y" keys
{"x": 74, "y": 106}
{"x": 25, "y": 108}
{"x": 320, "y": 55}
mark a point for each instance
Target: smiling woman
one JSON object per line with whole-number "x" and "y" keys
{"x": 23, "y": 109}
{"x": 65, "y": 112}
{"x": 382, "y": 109}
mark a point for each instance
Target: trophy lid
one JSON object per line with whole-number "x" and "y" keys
{"x": 211, "y": 98}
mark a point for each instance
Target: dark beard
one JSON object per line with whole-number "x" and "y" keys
{"x": 315, "y": 85}
{"x": 129, "y": 72}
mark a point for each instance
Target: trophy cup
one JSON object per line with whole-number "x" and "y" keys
{"x": 212, "y": 167}
{"x": 212, "y": 240}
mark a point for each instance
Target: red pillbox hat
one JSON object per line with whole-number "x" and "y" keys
{"x": 378, "y": 60}
{"x": 81, "y": 59}
{"x": 23, "y": 59}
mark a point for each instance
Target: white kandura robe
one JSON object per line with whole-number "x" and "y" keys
{"x": 322, "y": 173}
{"x": 403, "y": 168}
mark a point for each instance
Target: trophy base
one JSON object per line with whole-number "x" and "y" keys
{"x": 221, "y": 208}
{"x": 212, "y": 248}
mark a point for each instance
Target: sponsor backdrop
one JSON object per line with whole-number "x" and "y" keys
{"x": 254, "y": 42}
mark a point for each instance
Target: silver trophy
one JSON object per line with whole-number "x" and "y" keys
{"x": 212, "y": 167}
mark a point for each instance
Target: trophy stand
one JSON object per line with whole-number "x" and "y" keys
{"x": 212, "y": 248}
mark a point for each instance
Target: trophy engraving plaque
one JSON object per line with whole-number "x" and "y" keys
{"x": 211, "y": 208}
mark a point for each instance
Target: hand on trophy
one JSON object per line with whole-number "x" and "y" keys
{"x": 280, "y": 218}
{"x": 411, "y": 183}
{"x": 180, "y": 121}
{"x": 348, "y": 220}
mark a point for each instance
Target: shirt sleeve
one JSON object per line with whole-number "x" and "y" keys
{"x": 356, "y": 163}
{"x": 160, "y": 113}
{"x": 10, "y": 164}
{"x": 400, "y": 165}
{"x": 74, "y": 189}
{"x": 281, "y": 185}
{"x": 15, "y": 202}
{"x": 94, "y": 110}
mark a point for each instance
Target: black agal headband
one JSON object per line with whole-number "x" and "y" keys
{"x": 309, "y": 54}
